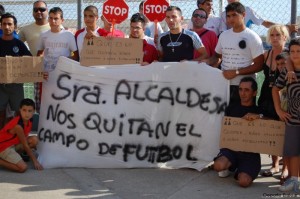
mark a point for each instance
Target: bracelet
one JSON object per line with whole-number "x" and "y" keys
{"x": 290, "y": 72}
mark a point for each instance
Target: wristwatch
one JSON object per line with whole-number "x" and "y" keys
{"x": 237, "y": 71}
{"x": 261, "y": 116}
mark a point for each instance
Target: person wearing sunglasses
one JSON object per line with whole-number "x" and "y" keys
{"x": 213, "y": 22}
{"x": 208, "y": 37}
{"x": 31, "y": 33}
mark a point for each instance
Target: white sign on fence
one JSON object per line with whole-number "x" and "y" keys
{"x": 165, "y": 115}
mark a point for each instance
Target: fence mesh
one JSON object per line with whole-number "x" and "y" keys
{"x": 273, "y": 10}
{"x": 278, "y": 11}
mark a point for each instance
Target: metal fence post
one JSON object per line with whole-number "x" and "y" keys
{"x": 220, "y": 7}
{"x": 79, "y": 5}
{"x": 293, "y": 16}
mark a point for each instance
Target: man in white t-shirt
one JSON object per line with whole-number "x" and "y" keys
{"x": 213, "y": 22}
{"x": 240, "y": 49}
{"x": 56, "y": 42}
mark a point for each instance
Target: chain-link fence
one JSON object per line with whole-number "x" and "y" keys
{"x": 273, "y": 10}
{"x": 278, "y": 11}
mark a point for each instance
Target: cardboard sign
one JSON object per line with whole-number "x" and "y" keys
{"x": 112, "y": 51}
{"x": 21, "y": 69}
{"x": 161, "y": 115}
{"x": 259, "y": 136}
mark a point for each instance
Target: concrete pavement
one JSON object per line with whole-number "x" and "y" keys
{"x": 133, "y": 184}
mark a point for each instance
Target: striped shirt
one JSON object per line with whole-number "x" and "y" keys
{"x": 293, "y": 96}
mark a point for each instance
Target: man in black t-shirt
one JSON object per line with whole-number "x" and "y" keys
{"x": 9, "y": 46}
{"x": 178, "y": 44}
{"x": 246, "y": 165}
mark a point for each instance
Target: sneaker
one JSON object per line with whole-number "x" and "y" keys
{"x": 289, "y": 185}
{"x": 224, "y": 173}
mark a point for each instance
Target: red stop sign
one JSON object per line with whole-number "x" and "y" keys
{"x": 115, "y": 11}
{"x": 155, "y": 9}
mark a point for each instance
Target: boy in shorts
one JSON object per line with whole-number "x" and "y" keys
{"x": 14, "y": 139}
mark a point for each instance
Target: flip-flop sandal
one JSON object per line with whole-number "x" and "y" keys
{"x": 269, "y": 173}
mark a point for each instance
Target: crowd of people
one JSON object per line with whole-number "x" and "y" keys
{"x": 225, "y": 42}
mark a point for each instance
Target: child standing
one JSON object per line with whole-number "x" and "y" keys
{"x": 291, "y": 117}
{"x": 14, "y": 139}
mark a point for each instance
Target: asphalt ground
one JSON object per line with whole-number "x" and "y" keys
{"x": 76, "y": 183}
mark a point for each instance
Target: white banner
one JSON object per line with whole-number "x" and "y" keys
{"x": 165, "y": 115}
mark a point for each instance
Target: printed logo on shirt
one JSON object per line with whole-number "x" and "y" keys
{"x": 16, "y": 49}
{"x": 174, "y": 44}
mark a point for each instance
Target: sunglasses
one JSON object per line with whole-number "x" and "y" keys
{"x": 41, "y": 9}
{"x": 200, "y": 16}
